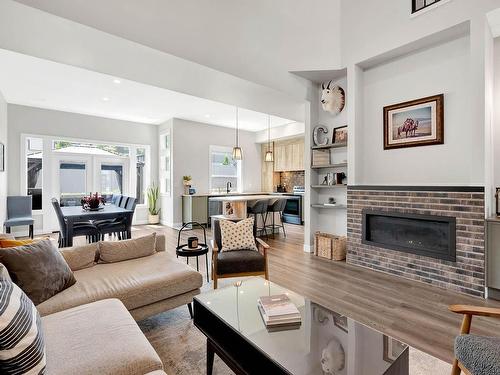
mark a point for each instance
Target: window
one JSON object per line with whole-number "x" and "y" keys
{"x": 165, "y": 163}
{"x": 72, "y": 183}
{"x": 111, "y": 180}
{"x": 34, "y": 178}
{"x": 224, "y": 169}
{"x": 141, "y": 162}
{"x": 418, "y": 5}
{"x": 89, "y": 148}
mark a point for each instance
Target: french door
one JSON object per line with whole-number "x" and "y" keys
{"x": 79, "y": 175}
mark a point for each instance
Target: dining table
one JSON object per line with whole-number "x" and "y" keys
{"x": 73, "y": 214}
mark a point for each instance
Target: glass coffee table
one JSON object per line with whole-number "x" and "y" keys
{"x": 325, "y": 343}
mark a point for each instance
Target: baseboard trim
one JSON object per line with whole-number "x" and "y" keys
{"x": 308, "y": 248}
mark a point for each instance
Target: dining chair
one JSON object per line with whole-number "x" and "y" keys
{"x": 84, "y": 228}
{"x": 19, "y": 212}
{"x": 119, "y": 226}
{"x": 115, "y": 199}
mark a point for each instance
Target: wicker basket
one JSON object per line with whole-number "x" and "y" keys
{"x": 329, "y": 246}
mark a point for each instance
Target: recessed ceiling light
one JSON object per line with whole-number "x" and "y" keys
{"x": 105, "y": 99}
{"x": 117, "y": 81}
{"x": 207, "y": 116}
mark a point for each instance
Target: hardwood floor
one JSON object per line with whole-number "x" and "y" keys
{"x": 413, "y": 312}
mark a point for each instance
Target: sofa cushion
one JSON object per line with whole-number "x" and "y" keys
{"x": 22, "y": 346}
{"x": 98, "y": 338}
{"x": 136, "y": 282}
{"x": 38, "y": 269}
{"x": 240, "y": 261}
{"x": 237, "y": 236}
{"x": 6, "y": 243}
{"x": 80, "y": 257}
{"x": 117, "y": 251}
{"x": 479, "y": 354}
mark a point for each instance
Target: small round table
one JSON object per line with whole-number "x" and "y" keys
{"x": 183, "y": 250}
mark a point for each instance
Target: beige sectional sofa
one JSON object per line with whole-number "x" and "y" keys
{"x": 146, "y": 286}
{"x": 87, "y": 327}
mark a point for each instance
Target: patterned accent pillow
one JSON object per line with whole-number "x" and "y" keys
{"x": 22, "y": 346}
{"x": 237, "y": 236}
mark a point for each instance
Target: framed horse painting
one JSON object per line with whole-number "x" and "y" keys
{"x": 415, "y": 123}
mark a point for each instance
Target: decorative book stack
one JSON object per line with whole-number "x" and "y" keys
{"x": 279, "y": 313}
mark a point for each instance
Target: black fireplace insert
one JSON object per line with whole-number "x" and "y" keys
{"x": 428, "y": 235}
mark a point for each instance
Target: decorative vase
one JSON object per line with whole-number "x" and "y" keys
{"x": 153, "y": 219}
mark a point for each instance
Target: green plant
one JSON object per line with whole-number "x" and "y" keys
{"x": 153, "y": 196}
{"x": 186, "y": 178}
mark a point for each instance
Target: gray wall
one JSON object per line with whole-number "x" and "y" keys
{"x": 3, "y": 175}
{"x": 190, "y": 156}
{"x": 30, "y": 120}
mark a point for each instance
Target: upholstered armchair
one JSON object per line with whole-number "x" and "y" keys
{"x": 237, "y": 263}
{"x": 475, "y": 355}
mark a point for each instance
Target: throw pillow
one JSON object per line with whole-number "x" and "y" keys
{"x": 38, "y": 269}
{"x": 4, "y": 243}
{"x": 22, "y": 346}
{"x": 237, "y": 236}
{"x": 80, "y": 257}
{"x": 118, "y": 251}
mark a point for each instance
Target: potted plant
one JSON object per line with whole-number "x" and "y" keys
{"x": 186, "y": 181}
{"x": 153, "y": 194}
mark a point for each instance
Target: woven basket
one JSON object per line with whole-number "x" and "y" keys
{"x": 330, "y": 246}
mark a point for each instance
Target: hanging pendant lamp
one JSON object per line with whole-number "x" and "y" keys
{"x": 269, "y": 153}
{"x": 237, "y": 154}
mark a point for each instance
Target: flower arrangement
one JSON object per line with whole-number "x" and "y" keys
{"x": 186, "y": 180}
{"x": 92, "y": 201}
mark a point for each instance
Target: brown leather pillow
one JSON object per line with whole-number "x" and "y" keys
{"x": 38, "y": 269}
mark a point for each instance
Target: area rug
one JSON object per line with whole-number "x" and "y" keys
{"x": 182, "y": 348}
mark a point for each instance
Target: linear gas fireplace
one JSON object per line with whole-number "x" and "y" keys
{"x": 429, "y": 235}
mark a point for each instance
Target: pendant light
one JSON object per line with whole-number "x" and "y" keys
{"x": 269, "y": 153}
{"x": 237, "y": 154}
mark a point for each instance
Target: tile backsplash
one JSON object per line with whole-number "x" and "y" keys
{"x": 289, "y": 179}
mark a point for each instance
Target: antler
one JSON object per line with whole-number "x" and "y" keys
{"x": 328, "y": 87}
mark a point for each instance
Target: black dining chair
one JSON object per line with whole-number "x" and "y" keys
{"x": 274, "y": 207}
{"x": 120, "y": 226}
{"x": 259, "y": 208}
{"x": 83, "y": 228}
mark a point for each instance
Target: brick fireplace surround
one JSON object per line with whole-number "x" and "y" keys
{"x": 466, "y": 204}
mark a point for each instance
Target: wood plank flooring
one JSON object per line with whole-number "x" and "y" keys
{"x": 413, "y": 312}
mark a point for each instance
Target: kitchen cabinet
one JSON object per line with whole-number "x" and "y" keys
{"x": 289, "y": 155}
{"x": 195, "y": 208}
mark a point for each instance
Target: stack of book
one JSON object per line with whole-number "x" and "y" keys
{"x": 279, "y": 313}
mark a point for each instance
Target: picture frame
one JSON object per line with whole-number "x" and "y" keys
{"x": 414, "y": 123}
{"x": 2, "y": 157}
{"x": 340, "y": 321}
{"x": 392, "y": 349}
{"x": 340, "y": 135}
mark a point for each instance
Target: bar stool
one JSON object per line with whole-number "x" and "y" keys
{"x": 273, "y": 207}
{"x": 259, "y": 208}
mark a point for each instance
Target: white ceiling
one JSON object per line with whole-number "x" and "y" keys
{"x": 35, "y": 82}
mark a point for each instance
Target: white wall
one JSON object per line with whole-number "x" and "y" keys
{"x": 393, "y": 27}
{"x": 190, "y": 156}
{"x": 3, "y": 175}
{"x": 292, "y": 130}
{"x": 30, "y": 31}
{"x": 441, "y": 69}
{"x": 260, "y": 40}
{"x": 30, "y": 120}
{"x": 496, "y": 115}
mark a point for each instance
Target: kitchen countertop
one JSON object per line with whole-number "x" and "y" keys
{"x": 243, "y": 198}
{"x": 226, "y": 194}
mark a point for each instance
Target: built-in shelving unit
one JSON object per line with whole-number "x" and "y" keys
{"x": 333, "y": 145}
{"x": 329, "y": 206}
{"x": 339, "y": 165}
{"x": 338, "y": 186}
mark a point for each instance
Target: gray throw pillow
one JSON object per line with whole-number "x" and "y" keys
{"x": 38, "y": 269}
